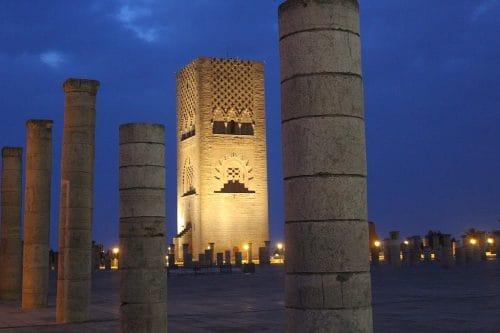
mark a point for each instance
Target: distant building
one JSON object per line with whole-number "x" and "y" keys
{"x": 221, "y": 151}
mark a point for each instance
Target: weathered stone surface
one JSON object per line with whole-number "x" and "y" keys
{"x": 10, "y": 232}
{"x": 331, "y": 95}
{"x": 324, "y": 197}
{"x": 134, "y": 133}
{"x": 144, "y": 317}
{"x": 137, "y": 202}
{"x": 333, "y": 52}
{"x": 76, "y": 201}
{"x": 141, "y": 154}
{"x": 143, "y": 285}
{"x": 299, "y": 15}
{"x": 328, "y": 291}
{"x": 335, "y": 146}
{"x": 328, "y": 283}
{"x": 340, "y": 320}
{"x": 321, "y": 247}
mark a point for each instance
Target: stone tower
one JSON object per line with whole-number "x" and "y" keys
{"x": 221, "y": 151}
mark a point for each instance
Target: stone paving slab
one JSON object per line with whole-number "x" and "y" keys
{"x": 422, "y": 299}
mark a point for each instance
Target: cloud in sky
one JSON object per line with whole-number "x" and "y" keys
{"x": 482, "y": 9}
{"x": 52, "y": 58}
{"x": 130, "y": 17}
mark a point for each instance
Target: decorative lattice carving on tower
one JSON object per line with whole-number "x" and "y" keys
{"x": 232, "y": 97}
{"x": 187, "y": 99}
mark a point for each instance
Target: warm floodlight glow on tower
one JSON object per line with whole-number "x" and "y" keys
{"x": 221, "y": 149}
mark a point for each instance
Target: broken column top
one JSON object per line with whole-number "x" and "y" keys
{"x": 81, "y": 85}
{"x": 40, "y": 123}
{"x": 142, "y": 132}
{"x": 12, "y": 151}
{"x": 394, "y": 234}
{"x": 312, "y": 15}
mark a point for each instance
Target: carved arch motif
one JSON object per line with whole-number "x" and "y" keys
{"x": 234, "y": 174}
{"x": 188, "y": 178}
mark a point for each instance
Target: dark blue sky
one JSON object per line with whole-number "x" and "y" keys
{"x": 432, "y": 95}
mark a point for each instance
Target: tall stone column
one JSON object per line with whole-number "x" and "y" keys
{"x": 496, "y": 234}
{"x": 37, "y": 214}
{"x": 143, "y": 288}
{"x": 394, "y": 245}
{"x": 415, "y": 250}
{"x": 11, "y": 256}
{"x": 76, "y": 201}
{"x": 327, "y": 286}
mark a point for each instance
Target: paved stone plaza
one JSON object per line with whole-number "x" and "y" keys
{"x": 420, "y": 299}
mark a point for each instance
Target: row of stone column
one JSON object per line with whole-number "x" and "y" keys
{"x": 411, "y": 250}
{"x": 24, "y": 269}
{"x": 142, "y": 216}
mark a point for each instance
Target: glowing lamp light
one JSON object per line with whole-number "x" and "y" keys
{"x": 279, "y": 246}
{"x": 376, "y": 243}
{"x": 116, "y": 250}
{"x": 246, "y": 247}
{"x": 208, "y": 247}
{"x": 406, "y": 242}
{"x": 473, "y": 241}
{"x": 490, "y": 240}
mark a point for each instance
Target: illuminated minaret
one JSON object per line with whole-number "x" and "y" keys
{"x": 221, "y": 149}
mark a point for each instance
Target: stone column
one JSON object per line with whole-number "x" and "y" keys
{"x": 37, "y": 214}
{"x": 227, "y": 257}
{"x": 238, "y": 258}
{"x": 11, "y": 256}
{"x": 374, "y": 254}
{"x": 185, "y": 253}
{"x": 220, "y": 258}
{"x": 76, "y": 201}
{"x": 496, "y": 234}
{"x": 460, "y": 255}
{"x": 250, "y": 253}
{"x": 394, "y": 246}
{"x": 143, "y": 287}
{"x": 327, "y": 284}
{"x": 171, "y": 256}
{"x": 212, "y": 251}
{"x": 415, "y": 250}
{"x": 447, "y": 252}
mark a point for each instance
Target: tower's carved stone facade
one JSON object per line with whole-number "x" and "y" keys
{"x": 221, "y": 147}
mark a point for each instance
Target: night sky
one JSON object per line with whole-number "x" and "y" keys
{"x": 432, "y": 95}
